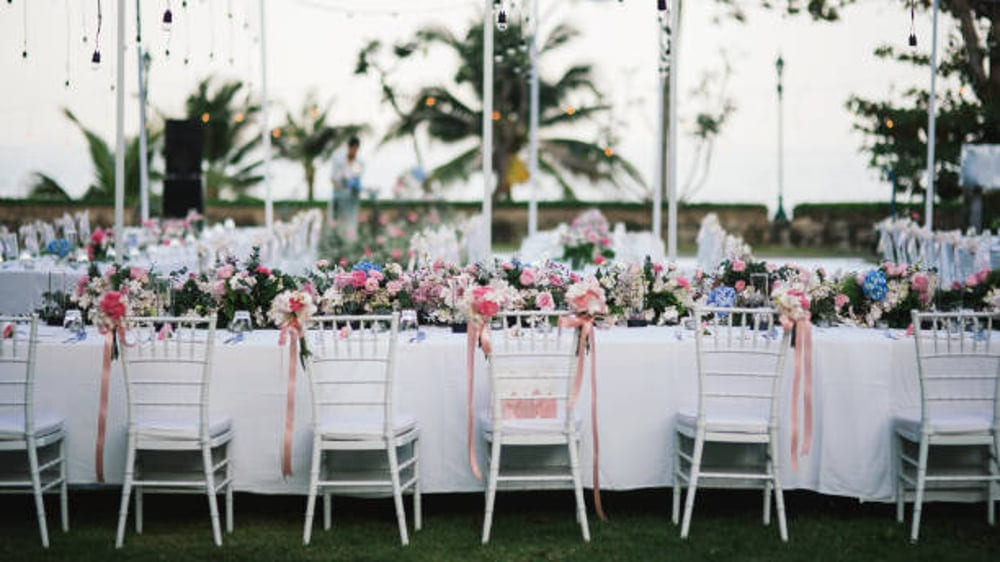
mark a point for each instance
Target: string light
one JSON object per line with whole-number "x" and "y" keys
{"x": 913, "y": 17}
{"x": 168, "y": 19}
{"x": 502, "y": 20}
{"x": 661, "y": 5}
{"x": 229, "y": 23}
{"x": 430, "y": 101}
{"x": 95, "y": 59}
{"x": 205, "y": 117}
{"x": 66, "y": 8}
{"x": 24, "y": 44}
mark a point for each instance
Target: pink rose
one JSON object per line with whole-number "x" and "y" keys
{"x": 397, "y": 253}
{"x": 375, "y": 274}
{"x": 840, "y": 300}
{"x": 657, "y": 267}
{"x": 262, "y": 270}
{"x": 322, "y": 264}
{"x": 111, "y": 305}
{"x": 972, "y": 280}
{"x": 683, "y": 282}
{"x": 555, "y": 280}
{"x": 394, "y": 286}
{"x": 920, "y": 282}
{"x": 527, "y": 278}
{"x": 309, "y": 289}
{"x": 599, "y": 260}
{"x": 592, "y": 237}
{"x": 698, "y": 274}
{"x": 507, "y": 266}
{"x": 544, "y": 301}
{"x": 983, "y": 274}
{"x": 8, "y": 330}
{"x": 371, "y": 284}
{"x": 358, "y": 278}
{"x": 605, "y": 241}
{"x": 739, "y": 265}
{"x": 296, "y": 303}
{"x": 224, "y": 272}
{"x": 740, "y": 285}
{"x": 483, "y": 305}
{"x": 412, "y": 216}
{"x": 97, "y": 237}
{"x": 137, "y": 273}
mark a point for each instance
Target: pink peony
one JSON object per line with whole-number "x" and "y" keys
{"x": 397, "y": 253}
{"x": 137, "y": 273}
{"x": 683, "y": 282}
{"x": 97, "y": 237}
{"x": 112, "y": 306}
{"x": 263, "y": 270}
{"x": 527, "y": 278}
{"x": 739, "y": 265}
{"x": 983, "y": 275}
{"x": 544, "y": 301}
{"x": 394, "y": 287}
{"x": 358, "y": 278}
{"x": 371, "y": 284}
{"x": 224, "y": 272}
{"x": 483, "y": 305}
{"x": 920, "y": 282}
{"x": 605, "y": 241}
{"x": 375, "y": 274}
{"x": 599, "y": 260}
{"x": 657, "y": 267}
{"x": 840, "y": 300}
{"x": 972, "y": 280}
{"x": 740, "y": 285}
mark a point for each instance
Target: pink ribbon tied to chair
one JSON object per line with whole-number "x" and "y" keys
{"x": 478, "y": 334}
{"x": 801, "y": 385}
{"x": 110, "y": 322}
{"x": 291, "y": 333}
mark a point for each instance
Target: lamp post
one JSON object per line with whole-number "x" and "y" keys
{"x": 780, "y": 215}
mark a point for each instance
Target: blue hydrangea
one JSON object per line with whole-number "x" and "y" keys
{"x": 366, "y": 266}
{"x": 875, "y": 287}
{"x": 60, "y": 247}
{"x": 722, "y": 296}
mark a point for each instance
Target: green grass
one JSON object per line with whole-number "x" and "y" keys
{"x": 535, "y": 526}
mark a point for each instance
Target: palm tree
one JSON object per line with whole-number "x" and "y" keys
{"x": 103, "y": 158}
{"x": 449, "y": 119}
{"x": 307, "y": 138}
{"x": 231, "y": 135}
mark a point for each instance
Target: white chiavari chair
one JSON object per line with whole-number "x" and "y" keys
{"x": 532, "y": 368}
{"x": 351, "y": 371}
{"x": 958, "y": 366}
{"x": 167, "y": 362}
{"x": 23, "y": 428}
{"x": 740, "y": 358}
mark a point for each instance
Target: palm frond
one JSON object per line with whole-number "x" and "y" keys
{"x": 46, "y": 187}
{"x": 458, "y": 168}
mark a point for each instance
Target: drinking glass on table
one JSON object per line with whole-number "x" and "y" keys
{"x": 239, "y": 325}
{"x": 73, "y": 321}
{"x": 408, "y": 324}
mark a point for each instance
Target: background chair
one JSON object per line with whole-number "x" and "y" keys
{"x": 958, "y": 365}
{"x": 532, "y": 369}
{"x": 351, "y": 372}
{"x": 741, "y": 359}
{"x": 39, "y": 434}
{"x": 167, "y": 379}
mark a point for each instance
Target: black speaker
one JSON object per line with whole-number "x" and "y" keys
{"x": 180, "y": 196}
{"x": 183, "y": 145}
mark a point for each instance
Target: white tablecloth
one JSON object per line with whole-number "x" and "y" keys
{"x": 644, "y": 376}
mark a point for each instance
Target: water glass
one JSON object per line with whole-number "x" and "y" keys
{"x": 73, "y": 321}
{"x": 241, "y": 322}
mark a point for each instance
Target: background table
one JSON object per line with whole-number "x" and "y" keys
{"x": 644, "y": 376}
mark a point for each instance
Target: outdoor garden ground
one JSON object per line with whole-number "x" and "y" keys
{"x": 528, "y": 526}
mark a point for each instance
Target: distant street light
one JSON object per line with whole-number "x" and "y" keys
{"x": 780, "y": 215}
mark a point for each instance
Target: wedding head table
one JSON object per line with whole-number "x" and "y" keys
{"x": 645, "y": 375}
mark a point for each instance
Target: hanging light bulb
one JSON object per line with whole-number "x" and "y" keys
{"x": 913, "y": 17}
{"x": 661, "y": 5}
{"x": 95, "y": 60}
{"x": 502, "y": 20}
{"x": 168, "y": 20}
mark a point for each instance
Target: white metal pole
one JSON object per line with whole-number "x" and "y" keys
{"x": 120, "y": 135}
{"x": 932, "y": 125}
{"x": 265, "y": 122}
{"x": 488, "y": 127}
{"x": 658, "y": 178}
{"x": 533, "y": 162}
{"x": 143, "y": 141}
{"x": 675, "y": 43}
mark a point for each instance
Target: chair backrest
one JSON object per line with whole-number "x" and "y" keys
{"x": 17, "y": 368}
{"x": 740, "y": 361}
{"x": 958, "y": 362}
{"x": 167, "y": 362}
{"x": 532, "y": 366}
{"x": 351, "y": 367}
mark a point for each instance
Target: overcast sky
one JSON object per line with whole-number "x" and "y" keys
{"x": 313, "y": 44}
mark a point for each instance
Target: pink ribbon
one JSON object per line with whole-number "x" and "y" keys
{"x": 803, "y": 380}
{"x": 292, "y": 329}
{"x": 477, "y": 333}
{"x": 102, "y": 410}
{"x": 165, "y": 332}
{"x": 586, "y": 326}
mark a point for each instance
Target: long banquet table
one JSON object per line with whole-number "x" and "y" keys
{"x": 644, "y": 376}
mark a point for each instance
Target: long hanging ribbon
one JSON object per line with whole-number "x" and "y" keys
{"x": 477, "y": 332}
{"x": 102, "y": 411}
{"x": 803, "y": 378}
{"x": 290, "y": 333}
{"x": 586, "y": 326}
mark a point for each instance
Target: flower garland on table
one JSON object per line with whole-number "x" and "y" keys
{"x": 292, "y": 312}
{"x": 886, "y": 294}
{"x": 587, "y": 302}
{"x": 586, "y": 241}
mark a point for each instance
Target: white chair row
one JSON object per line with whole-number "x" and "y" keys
{"x": 716, "y": 245}
{"x": 954, "y": 255}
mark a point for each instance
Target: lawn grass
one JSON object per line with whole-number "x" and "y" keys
{"x": 528, "y": 526}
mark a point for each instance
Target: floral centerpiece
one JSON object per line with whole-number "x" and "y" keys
{"x": 887, "y": 294}
{"x": 587, "y": 240}
{"x": 100, "y": 242}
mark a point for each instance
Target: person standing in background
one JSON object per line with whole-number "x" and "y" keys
{"x": 345, "y": 176}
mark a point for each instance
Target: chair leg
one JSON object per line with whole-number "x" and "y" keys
{"x": 63, "y": 487}
{"x": 418, "y": 516}
{"x": 36, "y": 486}
{"x": 491, "y": 487}
{"x": 397, "y": 491}
{"x": 900, "y": 484}
{"x": 991, "y": 486}
{"x": 675, "y": 515}
{"x": 921, "y": 484}
{"x": 313, "y": 485}
{"x": 692, "y": 488}
{"x": 779, "y": 494}
{"x": 581, "y": 506}
{"x": 327, "y": 511}
{"x": 126, "y": 491}
{"x": 138, "y": 510}
{"x": 229, "y": 489}
{"x": 767, "y": 489}
{"x": 210, "y": 491}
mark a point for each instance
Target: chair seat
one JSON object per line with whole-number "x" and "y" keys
{"x": 364, "y": 426}
{"x": 952, "y": 423}
{"x": 174, "y": 429}
{"x": 527, "y": 426}
{"x": 12, "y": 425}
{"x": 723, "y": 422}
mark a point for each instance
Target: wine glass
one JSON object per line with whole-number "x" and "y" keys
{"x": 73, "y": 322}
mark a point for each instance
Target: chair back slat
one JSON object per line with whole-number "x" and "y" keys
{"x": 17, "y": 368}
{"x": 958, "y": 364}
{"x": 167, "y": 363}
{"x": 351, "y": 367}
{"x": 532, "y": 367}
{"x": 740, "y": 361}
